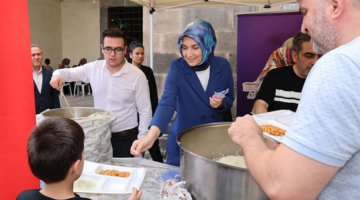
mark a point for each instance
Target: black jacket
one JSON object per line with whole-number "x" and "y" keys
{"x": 49, "y": 97}
{"x": 152, "y": 87}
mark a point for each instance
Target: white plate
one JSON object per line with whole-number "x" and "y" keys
{"x": 98, "y": 180}
{"x": 287, "y": 119}
{"x": 274, "y": 123}
{"x": 90, "y": 167}
{"x": 272, "y": 114}
{"x": 114, "y": 184}
{"x": 110, "y": 184}
{"x": 117, "y": 168}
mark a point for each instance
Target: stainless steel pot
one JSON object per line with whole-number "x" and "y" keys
{"x": 207, "y": 179}
{"x": 65, "y": 112}
{"x": 97, "y": 130}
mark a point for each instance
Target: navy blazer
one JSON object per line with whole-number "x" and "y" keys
{"x": 184, "y": 93}
{"x": 49, "y": 97}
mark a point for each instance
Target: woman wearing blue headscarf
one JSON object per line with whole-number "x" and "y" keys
{"x": 189, "y": 90}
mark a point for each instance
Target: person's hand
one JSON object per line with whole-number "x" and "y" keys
{"x": 244, "y": 127}
{"x": 135, "y": 195}
{"x": 56, "y": 82}
{"x": 145, "y": 143}
{"x": 214, "y": 102}
{"x": 141, "y": 145}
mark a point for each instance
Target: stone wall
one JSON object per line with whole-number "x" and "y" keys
{"x": 80, "y": 30}
{"x": 65, "y": 28}
{"x": 45, "y": 29}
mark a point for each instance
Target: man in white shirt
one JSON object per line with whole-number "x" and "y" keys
{"x": 319, "y": 157}
{"x": 118, "y": 87}
{"x": 46, "y": 97}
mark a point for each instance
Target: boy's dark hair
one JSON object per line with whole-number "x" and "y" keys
{"x": 53, "y": 146}
{"x": 47, "y": 61}
{"x": 114, "y": 32}
{"x": 298, "y": 40}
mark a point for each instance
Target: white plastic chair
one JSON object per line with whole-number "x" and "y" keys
{"x": 62, "y": 89}
{"x": 78, "y": 84}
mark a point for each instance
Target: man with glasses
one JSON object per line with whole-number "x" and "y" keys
{"x": 45, "y": 96}
{"x": 118, "y": 87}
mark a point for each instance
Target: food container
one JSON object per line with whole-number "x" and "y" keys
{"x": 273, "y": 114}
{"x": 105, "y": 184}
{"x": 287, "y": 119}
{"x": 274, "y": 123}
{"x": 77, "y": 111}
{"x": 207, "y": 179}
{"x": 96, "y": 124}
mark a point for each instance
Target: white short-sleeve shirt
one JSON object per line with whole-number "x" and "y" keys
{"x": 326, "y": 126}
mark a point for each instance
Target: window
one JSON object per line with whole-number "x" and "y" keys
{"x": 128, "y": 19}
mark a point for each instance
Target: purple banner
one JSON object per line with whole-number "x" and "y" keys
{"x": 258, "y": 36}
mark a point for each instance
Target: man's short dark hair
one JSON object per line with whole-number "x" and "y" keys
{"x": 53, "y": 147}
{"x": 114, "y": 32}
{"x": 47, "y": 61}
{"x": 298, "y": 40}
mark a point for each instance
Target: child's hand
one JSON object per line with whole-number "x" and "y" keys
{"x": 135, "y": 195}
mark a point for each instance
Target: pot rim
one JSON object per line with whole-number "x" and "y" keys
{"x": 198, "y": 156}
{"x": 71, "y": 109}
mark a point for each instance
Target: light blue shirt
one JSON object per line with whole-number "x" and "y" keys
{"x": 326, "y": 126}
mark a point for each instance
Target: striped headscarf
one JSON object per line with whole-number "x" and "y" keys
{"x": 203, "y": 33}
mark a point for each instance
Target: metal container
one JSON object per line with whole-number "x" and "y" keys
{"x": 207, "y": 179}
{"x": 65, "y": 112}
{"x": 97, "y": 130}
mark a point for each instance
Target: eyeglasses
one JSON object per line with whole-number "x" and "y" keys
{"x": 109, "y": 50}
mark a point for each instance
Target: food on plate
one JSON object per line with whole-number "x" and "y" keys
{"x": 237, "y": 161}
{"x": 83, "y": 184}
{"x": 273, "y": 130}
{"x": 113, "y": 172}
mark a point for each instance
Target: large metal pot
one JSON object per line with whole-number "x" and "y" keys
{"x": 207, "y": 179}
{"x": 77, "y": 111}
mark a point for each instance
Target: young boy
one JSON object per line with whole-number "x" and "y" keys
{"x": 55, "y": 153}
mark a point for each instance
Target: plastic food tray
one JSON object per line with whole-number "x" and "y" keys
{"x": 274, "y": 123}
{"x": 273, "y": 114}
{"x": 287, "y": 119}
{"x": 110, "y": 184}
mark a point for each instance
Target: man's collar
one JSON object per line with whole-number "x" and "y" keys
{"x": 126, "y": 66}
{"x": 40, "y": 70}
{"x": 123, "y": 70}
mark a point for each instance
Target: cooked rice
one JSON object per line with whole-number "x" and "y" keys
{"x": 83, "y": 184}
{"x": 237, "y": 161}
